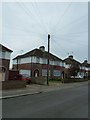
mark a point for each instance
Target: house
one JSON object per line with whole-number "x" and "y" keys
{"x": 83, "y": 67}
{"x": 34, "y": 63}
{"x": 4, "y": 62}
{"x": 70, "y": 61}
{"x": 86, "y": 68}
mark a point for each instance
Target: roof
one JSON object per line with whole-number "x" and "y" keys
{"x": 85, "y": 63}
{"x": 4, "y": 48}
{"x": 70, "y": 61}
{"x": 39, "y": 53}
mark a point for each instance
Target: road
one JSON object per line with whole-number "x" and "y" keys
{"x": 63, "y": 103}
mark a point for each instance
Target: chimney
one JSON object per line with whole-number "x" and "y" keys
{"x": 85, "y": 61}
{"x": 71, "y": 56}
{"x": 42, "y": 48}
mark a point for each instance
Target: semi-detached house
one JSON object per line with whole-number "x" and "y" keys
{"x": 34, "y": 63}
{"x": 84, "y": 67}
{"x": 4, "y": 62}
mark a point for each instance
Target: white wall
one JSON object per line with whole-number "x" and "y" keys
{"x": 35, "y": 59}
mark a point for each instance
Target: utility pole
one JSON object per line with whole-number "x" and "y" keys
{"x": 31, "y": 66}
{"x": 48, "y": 59}
{"x": 17, "y": 63}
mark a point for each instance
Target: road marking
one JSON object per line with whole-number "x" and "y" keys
{"x": 25, "y": 94}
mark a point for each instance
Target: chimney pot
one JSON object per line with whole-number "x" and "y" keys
{"x": 42, "y": 48}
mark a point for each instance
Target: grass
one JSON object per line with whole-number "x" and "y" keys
{"x": 57, "y": 80}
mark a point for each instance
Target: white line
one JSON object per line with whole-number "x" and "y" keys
{"x": 25, "y": 94}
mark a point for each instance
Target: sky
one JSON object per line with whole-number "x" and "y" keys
{"x": 26, "y": 25}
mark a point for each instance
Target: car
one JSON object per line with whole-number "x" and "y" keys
{"x": 79, "y": 76}
{"x": 23, "y": 77}
{"x": 72, "y": 76}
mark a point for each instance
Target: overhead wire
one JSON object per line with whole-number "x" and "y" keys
{"x": 37, "y": 14}
{"x": 70, "y": 35}
{"x": 62, "y": 49}
{"x": 75, "y": 21}
{"x": 65, "y": 39}
{"x": 63, "y": 14}
{"x": 25, "y": 30}
{"x": 29, "y": 13}
{"x": 60, "y": 18}
{"x": 75, "y": 33}
{"x": 35, "y": 5}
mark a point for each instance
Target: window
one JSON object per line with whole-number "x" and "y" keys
{"x": 15, "y": 61}
{"x": 44, "y": 72}
{"x": 60, "y": 63}
{"x": 56, "y": 73}
{"x": 0, "y": 54}
{"x": 33, "y": 59}
{"x": 25, "y": 60}
{"x": 41, "y": 60}
{"x": 37, "y": 60}
{"x": 27, "y": 72}
{"x": 44, "y": 61}
{"x": 3, "y": 54}
{"x": 7, "y": 55}
{"x": 57, "y": 63}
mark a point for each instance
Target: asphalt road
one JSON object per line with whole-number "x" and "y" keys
{"x": 63, "y": 103}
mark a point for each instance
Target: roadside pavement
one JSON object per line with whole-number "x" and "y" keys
{"x": 36, "y": 89}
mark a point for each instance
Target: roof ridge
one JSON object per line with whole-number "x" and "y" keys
{"x": 38, "y": 52}
{"x": 3, "y": 46}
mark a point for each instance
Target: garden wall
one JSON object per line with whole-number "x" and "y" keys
{"x": 13, "y": 84}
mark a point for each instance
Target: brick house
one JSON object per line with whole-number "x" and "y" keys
{"x": 34, "y": 63}
{"x": 84, "y": 67}
{"x": 4, "y": 62}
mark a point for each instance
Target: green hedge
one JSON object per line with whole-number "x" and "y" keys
{"x": 55, "y": 79}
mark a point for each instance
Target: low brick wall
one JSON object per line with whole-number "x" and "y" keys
{"x": 12, "y": 84}
{"x": 39, "y": 80}
{"x": 74, "y": 80}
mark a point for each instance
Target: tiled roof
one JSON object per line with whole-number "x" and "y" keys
{"x": 70, "y": 61}
{"x": 39, "y": 53}
{"x": 3, "y": 48}
{"x": 85, "y": 63}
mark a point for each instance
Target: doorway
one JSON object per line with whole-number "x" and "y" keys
{"x": 36, "y": 73}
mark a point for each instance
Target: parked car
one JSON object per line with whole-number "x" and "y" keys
{"x": 79, "y": 76}
{"x": 72, "y": 76}
{"x": 24, "y": 77}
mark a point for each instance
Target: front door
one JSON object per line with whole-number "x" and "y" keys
{"x": 36, "y": 73}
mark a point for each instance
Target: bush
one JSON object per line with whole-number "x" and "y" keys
{"x": 55, "y": 79}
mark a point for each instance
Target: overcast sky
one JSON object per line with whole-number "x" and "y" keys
{"x": 26, "y": 26}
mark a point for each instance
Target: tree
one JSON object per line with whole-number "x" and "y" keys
{"x": 74, "y": 69}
